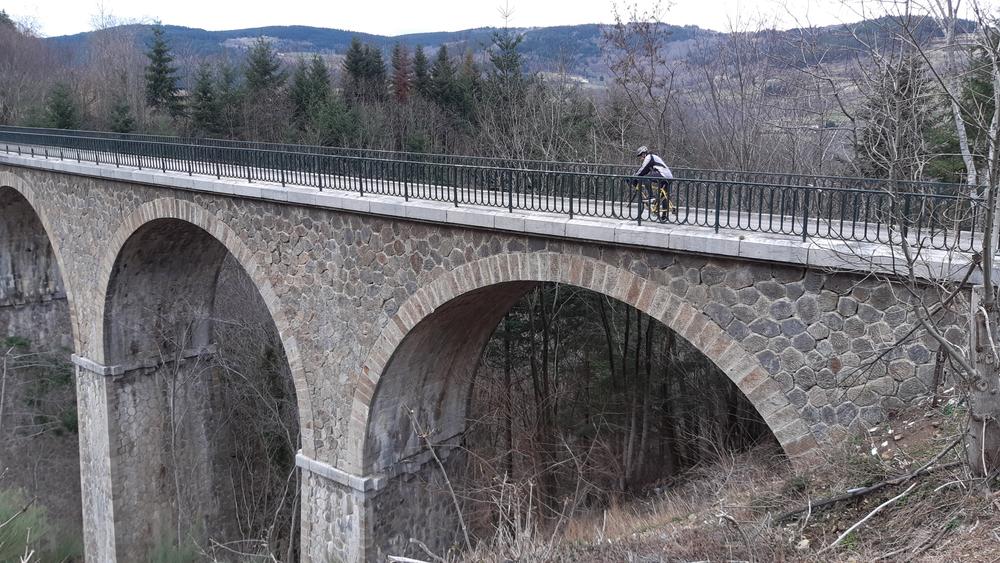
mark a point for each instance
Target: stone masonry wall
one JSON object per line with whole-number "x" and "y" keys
{"x": 335, "y": 281}
{"x": 161, "y": 457}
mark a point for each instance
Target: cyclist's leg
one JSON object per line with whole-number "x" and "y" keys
{"x": 663, "y": 199}
{"x": 653, "y": 201}
{"x": 642, "y": 193}
{"x": 671, "y": 208}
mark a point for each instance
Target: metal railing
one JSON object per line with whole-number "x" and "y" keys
{"x": 878, "y": 211}
{"x": 780, "y": 178}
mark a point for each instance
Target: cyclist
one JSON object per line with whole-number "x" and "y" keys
{"x": 653, "y": 165}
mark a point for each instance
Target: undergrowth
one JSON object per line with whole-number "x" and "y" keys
{"x": 729, "y": 509}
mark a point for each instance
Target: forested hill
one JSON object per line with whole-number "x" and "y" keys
{"x": 576, "y": 48}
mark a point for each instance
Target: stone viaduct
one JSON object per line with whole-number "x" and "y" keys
{"x": 381, "y": 305}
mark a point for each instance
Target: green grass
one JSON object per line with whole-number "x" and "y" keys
{"x": 28, "y": 529}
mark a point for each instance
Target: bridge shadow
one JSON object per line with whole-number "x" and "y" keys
{"x": 38, "y": 412}
{"x": 202, "y": 409}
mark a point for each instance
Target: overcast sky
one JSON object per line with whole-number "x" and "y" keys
{"x": 394, "y": 17}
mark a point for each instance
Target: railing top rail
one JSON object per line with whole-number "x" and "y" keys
{"x": 502, "y": 163}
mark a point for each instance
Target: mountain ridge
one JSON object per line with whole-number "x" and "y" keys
{"x": 576, "y": 49}
{"x": 544, "y": 48}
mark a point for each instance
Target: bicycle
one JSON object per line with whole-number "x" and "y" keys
{"x": 654, "y": 202}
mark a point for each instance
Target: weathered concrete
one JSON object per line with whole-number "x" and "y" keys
{"x": 377, "y": 315}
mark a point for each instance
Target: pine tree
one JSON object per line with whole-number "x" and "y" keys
{"x": 336, "y": 123}
{"x": 206, "y": 115}
{"x": 161, "y": 77}
{"x": 897, "y": 139}
{"x": 354, "y": 69}
{"x": 401, "y": 74}
{"x": 365, "y": 77}
{"x": 229, "y": 96}
{"x": 121, "y": 119}
{"x": 421, "y": 73}
{"x": 468, "y": 86}
{"x": 300, "y": 94}
{"x": 61, "y": 110}
{"x": 319, "y": 80}
{"x": 506, "y": 85}
{"x": 506, "y": 59}
{"x": 443, "y": 87}
{"x": 310, "y": 89}
{"x": 977, "y": 111}
{"x": 264, "y": 75}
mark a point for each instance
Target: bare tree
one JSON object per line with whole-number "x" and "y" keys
{"x": 635, "y": 47}
{"x": 943, "y": 308}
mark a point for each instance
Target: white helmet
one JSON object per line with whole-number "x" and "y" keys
{"x": 641, "y": 150}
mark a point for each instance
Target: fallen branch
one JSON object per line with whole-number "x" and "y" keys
{"x": 427, "y": 550}
{"x": 865, "y": 519}
{"x": 743, "y": 535}
{"x": 855, "y": 493}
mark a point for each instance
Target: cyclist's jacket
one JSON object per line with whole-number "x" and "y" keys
{"x": 653, "y": 164}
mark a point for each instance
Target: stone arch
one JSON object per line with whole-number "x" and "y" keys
{"x": 8, "y": 180}
{"x": 197, "y": 216}
{"x": 510, "y": 270}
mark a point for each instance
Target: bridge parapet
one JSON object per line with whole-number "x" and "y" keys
{"x": 929, "y": 215}
{"x": 881, "y": 257}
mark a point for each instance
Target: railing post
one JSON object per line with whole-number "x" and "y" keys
{"x": 639, "y": 199}
{"x": 805, "y": 214}
{"x": 571, "y": 186}
{"x": 281, "y": 166}
{"x": 406, "y": 182}
{"x": 510, "y": 191}
{"x": 718, "y": 206}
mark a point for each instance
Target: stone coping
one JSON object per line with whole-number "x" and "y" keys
{"x": 410, "y": 464}
{"x": 817, "y": 253}
{"x": 148, "y": 362}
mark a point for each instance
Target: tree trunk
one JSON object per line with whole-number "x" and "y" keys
{"x": 984, "y": 398}
{"x": 509, "y": 400}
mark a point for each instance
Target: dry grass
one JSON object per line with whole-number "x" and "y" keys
{"x": 726, "y": 510}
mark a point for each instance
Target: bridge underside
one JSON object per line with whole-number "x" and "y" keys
{"x": 382, "y": 321}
